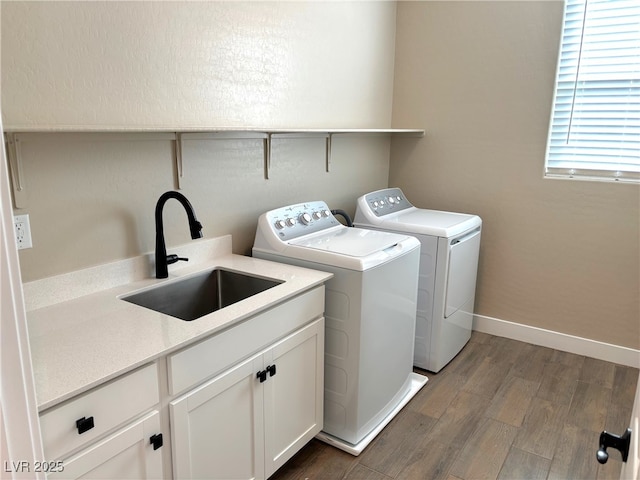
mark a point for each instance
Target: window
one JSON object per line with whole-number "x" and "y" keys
{"x": 595, "y": 124}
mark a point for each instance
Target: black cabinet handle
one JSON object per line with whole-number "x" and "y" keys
{"x": 156, "y": 441}
{"x": 614, "y": 441}
{"x": 262, "y": 374}
{"x": 84, "y": 424}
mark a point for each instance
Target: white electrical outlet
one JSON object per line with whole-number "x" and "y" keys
{"x": 23, "y": 231}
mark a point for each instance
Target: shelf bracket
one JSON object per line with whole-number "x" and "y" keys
{"x": 178, "y": 165}
{"x": 267, "y": 155}
{"x": 328, "y": 152}
{"x": 15, "y": 168}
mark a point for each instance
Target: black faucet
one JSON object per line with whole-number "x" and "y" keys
{"x": 162, "y": 259}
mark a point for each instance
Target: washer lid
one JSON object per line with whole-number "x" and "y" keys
{"x": 428, "y": 222}
{"x": 352, "y": 242}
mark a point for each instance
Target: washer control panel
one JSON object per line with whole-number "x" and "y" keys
{"x": 302, "y": 219}
{"x": 384, "y": 202}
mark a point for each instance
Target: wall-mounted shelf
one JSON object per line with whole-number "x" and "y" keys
{"x": 15, "y": 135}
{"x": 207, "y": 129}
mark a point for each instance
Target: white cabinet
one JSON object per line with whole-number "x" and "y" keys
{"x": 250, "y": 419}
{"x": 212, "y": 356}
{"x": 107, "y": 432}
{"x": 294, "y": 396}
{"x": 237, "y": 404}
{"x": 126, "y": 454}
{"x": 218, "y": 427}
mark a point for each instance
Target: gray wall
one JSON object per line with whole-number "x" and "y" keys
{"x": 177, "y": 65}
{"x": 556, "y": 254}
{"x": 478, "y": 76}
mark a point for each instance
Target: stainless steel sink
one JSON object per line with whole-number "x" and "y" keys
{"x": 196, "y": 296}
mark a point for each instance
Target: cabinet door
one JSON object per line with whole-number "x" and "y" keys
{"x": 126, "y": 454}
{"x": 217, "y": 428}
{"x": 294, "y": 395}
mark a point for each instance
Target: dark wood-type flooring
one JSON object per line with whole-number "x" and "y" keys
{"x": 501, "y": 409}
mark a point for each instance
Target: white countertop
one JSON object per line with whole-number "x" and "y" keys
{"x": 78, "y": 342}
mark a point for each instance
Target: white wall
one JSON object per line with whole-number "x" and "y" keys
{"x": 168, "y": 64}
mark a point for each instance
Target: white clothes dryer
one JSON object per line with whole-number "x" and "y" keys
{"x": 448, "y": 269}
{"x": 370, "y": 311}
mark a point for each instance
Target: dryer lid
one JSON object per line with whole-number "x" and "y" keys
{"x": 428, "y": 222}
{"x": 352, "y": 242}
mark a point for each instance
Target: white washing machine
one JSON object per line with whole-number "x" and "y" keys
{"x": 448, "y": 269}
{"x": 370, "y": 311}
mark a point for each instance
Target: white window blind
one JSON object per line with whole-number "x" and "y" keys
{"x": 595, "y": 124}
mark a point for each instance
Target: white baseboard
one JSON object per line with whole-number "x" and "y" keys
{"x": 558, "y": 341}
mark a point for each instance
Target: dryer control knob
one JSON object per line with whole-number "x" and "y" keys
{"x": 290, "y": 222}
{"x": 280, "y": 224}
{"x": 326, "y": 213}
{"x": 317, "y": 215}
{"x": 305, "y": 219}
{"x": 392, "y": 200}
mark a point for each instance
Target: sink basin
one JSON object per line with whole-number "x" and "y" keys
{"x": 199, "y": 295}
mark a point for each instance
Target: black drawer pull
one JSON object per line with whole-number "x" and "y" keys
{"x": 84, "y": 424}
{"x": 262, "y": 374}
{"x": 156, "y": 441}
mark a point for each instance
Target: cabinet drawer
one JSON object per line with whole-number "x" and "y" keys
{"x": 105, "y": 408}
{"x": 211, "y": 356}
{"x": 127, "y": 453}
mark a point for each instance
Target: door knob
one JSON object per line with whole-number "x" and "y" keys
{"x": 614, "y": 441}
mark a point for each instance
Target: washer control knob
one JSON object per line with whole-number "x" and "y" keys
{"x": 392, "y": 200}
{"x": 317, "y": 215}
{"x": 290, "y": 222}
{"x": 305, "y": 218}
{"x": 326, "y": 213}
{"x": 280, "y": 224}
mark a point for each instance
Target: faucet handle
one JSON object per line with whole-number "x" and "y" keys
{"x": 173, "y": 258}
